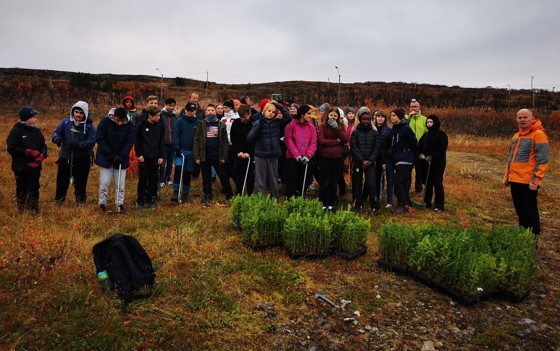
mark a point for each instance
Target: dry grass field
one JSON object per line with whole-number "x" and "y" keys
{"x": 214, "y": 294}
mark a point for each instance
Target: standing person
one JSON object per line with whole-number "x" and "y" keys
{"x": 27, "y": 147}
{"x": 183, "y": 139}
{"x": 403, "y": 151}
{"x": 380, "y": 122}
{"x": 210, "y": 149}
{"x": 351, "y": 125}
{"x": 151, "y": 100}
{"x": 417, "y": 124}
{"x": 169, "y": 118}
{"x": 230, "y": 115}
{"x": 266, "y": 133}
{"x": 301, "y": 144}
{"x": 432, "y": 149}
{"x": 220, "y": 111}
{"x": 332, "y": 136}
{"x": 148, "y": 145}
{"x": 527, "y": 164}
{"x": 194, "y": 99}
{"x": 247, "y": 101}
{"x": 130, "y": 105}
{"x": 76, "y": 138}
{"x": 243, "y": 151}
{"x": 365, "y": 145}
{"x": 115, "y": 138}
{"x": 293, "y": 109}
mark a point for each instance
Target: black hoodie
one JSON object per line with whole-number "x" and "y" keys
{"x": 434, "y": 142}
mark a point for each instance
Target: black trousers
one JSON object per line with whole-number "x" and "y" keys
{"x": 403, "y": 180}
{"x": 434, "y": 184}
{"x": 328, "y": 182}
{"x": 369, "y": 186}
{"x": 148, "y": 172}
{"x": 27, "y": 188}
{"x": 80, "y": 172}
{"x": 295, "y": 172}
{"x": 418, "y": 178}
{"x": 239, "y": 171}
{"x": 525, "y": 202}
{"x": 221, "y": 171}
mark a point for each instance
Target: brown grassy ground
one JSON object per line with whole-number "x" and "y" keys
{"x": 209, "y": 286}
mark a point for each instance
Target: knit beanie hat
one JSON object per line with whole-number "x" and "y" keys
{"x": 302, "y": 110}
{"x": 399, "y": 111}
{"x": 350, "y": 110}
{"x": 263, "y": 103}
{"x": 362, "y": 111}
{"x": 27, "y": 112}
{"x": 228, "y": 103}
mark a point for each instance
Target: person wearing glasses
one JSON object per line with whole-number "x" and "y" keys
{"x": 417, "y": 122}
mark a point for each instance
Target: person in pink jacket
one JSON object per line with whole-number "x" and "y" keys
{"x": 300, "y": 138}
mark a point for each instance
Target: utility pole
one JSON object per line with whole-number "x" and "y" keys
{"x": 509, "y": 95}
{"x": 338, "y": 98}
{"x": 206, "y": 84}
{"x": 533, "y": 91}
{"x": 161, "y": 91}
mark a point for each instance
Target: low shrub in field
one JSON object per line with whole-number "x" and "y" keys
{"x": 298, "y": 204}
{"x": 307, "y": 235}
{"x": 350, "y": 231}
{"x": 468, "y": 260}
{"x": 262, "y": 220}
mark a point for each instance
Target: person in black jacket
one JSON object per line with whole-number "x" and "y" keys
{"x": 148, "y": 146}
{"x": 433, "y": 147}
{"x": 243, "y": 151}
{"x": 365, "y": 145}
{"x": 403, "y": 150}
{"x": 27, "y": 147}
{"x": 115, "y": 138}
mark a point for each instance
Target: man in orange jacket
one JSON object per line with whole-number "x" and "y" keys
{"x": 527, "y": 164}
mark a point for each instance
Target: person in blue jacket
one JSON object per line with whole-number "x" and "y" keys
{"x": 115, "y": 138}
{"x": 75, "y": 136}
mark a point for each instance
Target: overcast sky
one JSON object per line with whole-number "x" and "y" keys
{"x": 474, "y": 43}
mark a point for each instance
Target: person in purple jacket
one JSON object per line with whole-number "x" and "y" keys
{"x": 332, "y": 136}
{"x": 300, "y": 138}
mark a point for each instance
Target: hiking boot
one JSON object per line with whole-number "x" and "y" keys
{"x": 120, "y": 209}
{"x": 169, "y": 182}
{"x": 185, "y": 198}
{"x": 140, "y": 206}
{"x": 102, "y": 208}
{"x": 374, "y": 213}
{"x": 175, "y": 196}
{"x": 438, "y": 209}
{"x": 150, "y": 205}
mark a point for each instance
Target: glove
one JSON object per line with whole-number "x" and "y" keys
{"x": 275, "y": 104}
{"x": 305, "y": 160}
{"x": 57, "y": 141}
{"x": 332, "y": 122}
{"x": 37, "y": 162}
{"x": 116, "y": 159}
{"x": 422, "y": 156}
{"x": 32, "y": 153}
{"x": 299, "y": 159}
{"x": 429, "y": 158}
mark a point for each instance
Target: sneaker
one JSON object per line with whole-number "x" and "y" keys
{"x": 169, "y": 182}
{"x": 150, "y": 205}
{"x": 185, "y": 198}
{"x": 121, "y": 209}
{"x": 175, "y": 196}
{"x": 161, "y": 185}
{"x": 206, "y": 201}
{"x": 374, "y": 213}
{"x": 58, "y": 202}
{"x": 388, "y": 206}
{"x": 438, "y": 209}
{"x": 399, "y": 210}
{"x": 140, "y": 206}
{"x": 102, "y": 208}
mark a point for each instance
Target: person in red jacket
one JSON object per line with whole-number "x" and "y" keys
{"x": 527, "y": 164}
{"x": 332, "y": 136}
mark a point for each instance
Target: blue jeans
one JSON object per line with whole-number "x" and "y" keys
{"x": 167, "y": 165}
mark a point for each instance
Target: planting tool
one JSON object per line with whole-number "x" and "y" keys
{"x": 73, "y": 130}
{"x": 179, "y": 200}
{"x": 381, "y": 187}
{"x": 246, "y": 174}
{"x": 423, "y": 203}
{"x": 304, "y": 181}
{"x": 322, "y": 296}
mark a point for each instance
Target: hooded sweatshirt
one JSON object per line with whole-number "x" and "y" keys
{"x": 528, "y": 156}
{"x": 113, "y": 140}
{"x": 434, "y": 143}
{"x": 81, "y": 133}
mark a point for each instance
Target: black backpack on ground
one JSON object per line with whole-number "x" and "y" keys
{"x": 128, "y": 265}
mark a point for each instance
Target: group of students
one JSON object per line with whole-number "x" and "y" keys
{"x": 279, "y": 143}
